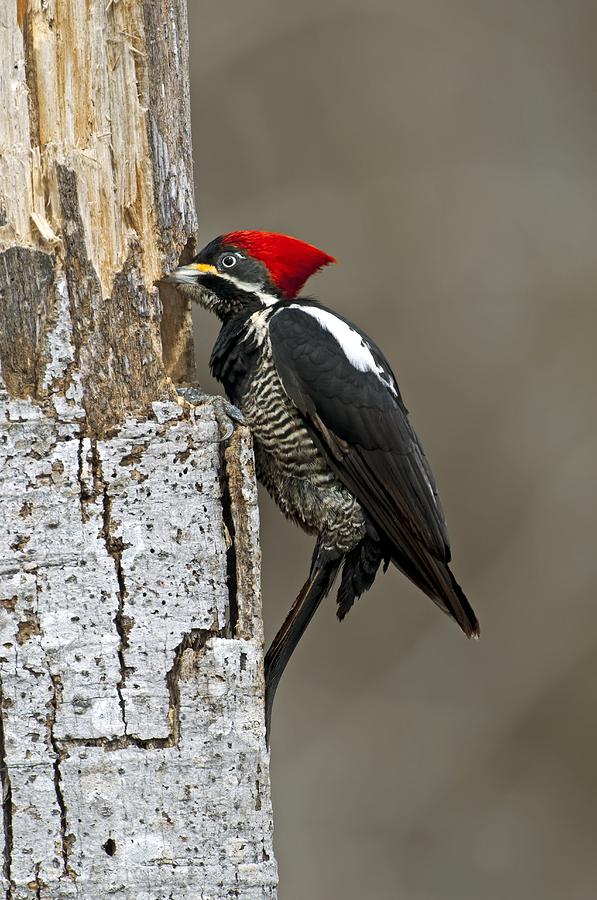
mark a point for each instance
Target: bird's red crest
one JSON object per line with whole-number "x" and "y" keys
{"x": 290, "y": 261}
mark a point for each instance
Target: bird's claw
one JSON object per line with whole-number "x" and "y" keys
{"x": 226, "y": 413}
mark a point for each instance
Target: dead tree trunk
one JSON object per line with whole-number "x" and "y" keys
{"x": 131, "y": 729}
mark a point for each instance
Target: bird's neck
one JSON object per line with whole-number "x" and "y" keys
{"x": 228, "y": 300}
{"x": 235, "y": 352}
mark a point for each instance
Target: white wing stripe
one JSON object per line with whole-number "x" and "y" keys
{"x": 355, "y": 348}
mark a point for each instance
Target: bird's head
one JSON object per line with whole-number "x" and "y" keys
{"x": 248, "y": 269}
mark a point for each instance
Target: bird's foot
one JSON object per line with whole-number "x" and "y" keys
{"x": 226, "y": 413}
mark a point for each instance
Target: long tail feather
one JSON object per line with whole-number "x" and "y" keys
{"x": 282, "y": 647}
{"x": 435, "y": 578}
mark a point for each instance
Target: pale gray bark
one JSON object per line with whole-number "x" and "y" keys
{"x": 131, "y": 730}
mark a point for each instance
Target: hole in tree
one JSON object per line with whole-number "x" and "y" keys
{"x": 110, "y": 846}
{"x": 177, "y": 327}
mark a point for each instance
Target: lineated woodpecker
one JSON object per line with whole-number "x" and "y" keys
{"x": 333, "y": 443}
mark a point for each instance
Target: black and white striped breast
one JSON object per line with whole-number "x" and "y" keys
{"x": 289, "y": 463}
{"x": 276, "y": 424}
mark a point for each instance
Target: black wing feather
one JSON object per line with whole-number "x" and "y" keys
{"x": 362, "y": 426}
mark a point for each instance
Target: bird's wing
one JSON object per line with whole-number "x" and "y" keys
{"x": 345, "y": 389}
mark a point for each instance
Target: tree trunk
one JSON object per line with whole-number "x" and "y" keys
{"x": 131, "y": 731}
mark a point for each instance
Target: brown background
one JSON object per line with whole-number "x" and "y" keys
{"x": 446, "y": 153}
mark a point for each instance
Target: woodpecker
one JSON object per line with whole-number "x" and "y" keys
{"x": 333, "y": 442}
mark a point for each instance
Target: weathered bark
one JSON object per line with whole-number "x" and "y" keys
{"x": 131, "y": 728}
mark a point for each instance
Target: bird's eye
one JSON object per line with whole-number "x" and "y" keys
{"x": 228, "y": 261}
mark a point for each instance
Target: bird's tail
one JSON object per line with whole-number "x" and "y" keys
{"x": 303, "y": 609}
{"x": 434, "y": 577}
{"x": 454, "y": 601}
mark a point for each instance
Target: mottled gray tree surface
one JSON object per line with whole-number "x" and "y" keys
{"x": 132, "y": 734}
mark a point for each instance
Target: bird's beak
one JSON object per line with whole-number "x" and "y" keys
{"x": 189, "y": 274}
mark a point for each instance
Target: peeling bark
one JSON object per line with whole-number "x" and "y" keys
{"x": 132, "y": 744}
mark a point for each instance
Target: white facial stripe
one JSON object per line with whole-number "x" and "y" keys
{"x": 352, "y": 343}
{"x": 266, "y": 299}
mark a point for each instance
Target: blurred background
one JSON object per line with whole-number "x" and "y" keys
{"x": 446, "y": 154}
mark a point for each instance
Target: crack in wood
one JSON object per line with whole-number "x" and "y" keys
{"x": 38, "y": 883}
{"x": 59, "y": 754}
{"x": 196, "y": 640}
{"x": 6, "y": 801}
{"x": 66, "y": 841}
{"x": 229, "y": 536}
{"x": 83, "y": 493}
{"x": 239, "y": 468}
{"x": 114, "y": 547}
